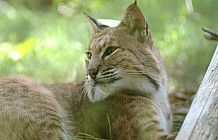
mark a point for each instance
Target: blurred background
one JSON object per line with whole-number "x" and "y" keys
{"x": 47, "y": 39}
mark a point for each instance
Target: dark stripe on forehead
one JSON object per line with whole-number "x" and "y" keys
{"x": 100, "y": 42}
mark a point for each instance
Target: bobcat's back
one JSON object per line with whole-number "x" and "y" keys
{"x": 29, "y": 111}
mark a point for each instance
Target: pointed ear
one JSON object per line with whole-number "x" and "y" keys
{"x": 135, "y": 22}
{"x": 94, "y": 24}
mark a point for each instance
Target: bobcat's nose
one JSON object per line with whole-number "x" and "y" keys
{"x": 93, "y": 72}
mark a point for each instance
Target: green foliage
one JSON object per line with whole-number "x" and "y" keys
{"x": 46, "y": 39}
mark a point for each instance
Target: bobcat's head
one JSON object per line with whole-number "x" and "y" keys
{"x": 122, "y": 57}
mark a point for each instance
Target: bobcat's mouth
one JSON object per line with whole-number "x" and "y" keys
{"x": 107, "y": 76}
{"x": 106, "y": 82}
{"x": 102, "y": 85}
{"x": 98, "y": 91}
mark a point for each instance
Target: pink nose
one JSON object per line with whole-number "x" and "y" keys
{"x": 93, "y": 72}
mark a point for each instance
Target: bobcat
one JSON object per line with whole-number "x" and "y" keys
{"x": 123, "y": 97}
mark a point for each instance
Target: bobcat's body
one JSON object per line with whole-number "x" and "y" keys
{"x": 124, "y": 95}
{"x": 28, "y": 111}
{"x": 124, "y": 116}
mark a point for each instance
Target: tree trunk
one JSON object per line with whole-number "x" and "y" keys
{"x": 201, "y": 122}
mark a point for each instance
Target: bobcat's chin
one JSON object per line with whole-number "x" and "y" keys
{"x": 97, "y": 94}
{"x": 99, "y": 91}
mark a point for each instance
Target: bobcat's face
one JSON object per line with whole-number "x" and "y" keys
{"x": 117, "y": 60}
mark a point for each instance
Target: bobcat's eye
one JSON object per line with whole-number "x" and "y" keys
{"x": 88, "y": 55}
{"x": 109, "y": 51}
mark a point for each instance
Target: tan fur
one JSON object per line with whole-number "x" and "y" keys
{"x": 126, "y": 83}
{"x": 29, "y": 111}
{"x": 128, "y": 87}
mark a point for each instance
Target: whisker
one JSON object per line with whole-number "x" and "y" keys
{"x": 135, "y": 72}
{"x": 83, "y": 91}
{"x": 129, "y": 70}
{"x": 138, "y": 72}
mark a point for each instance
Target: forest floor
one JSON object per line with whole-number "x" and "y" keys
{"x": 180, "y": 103}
